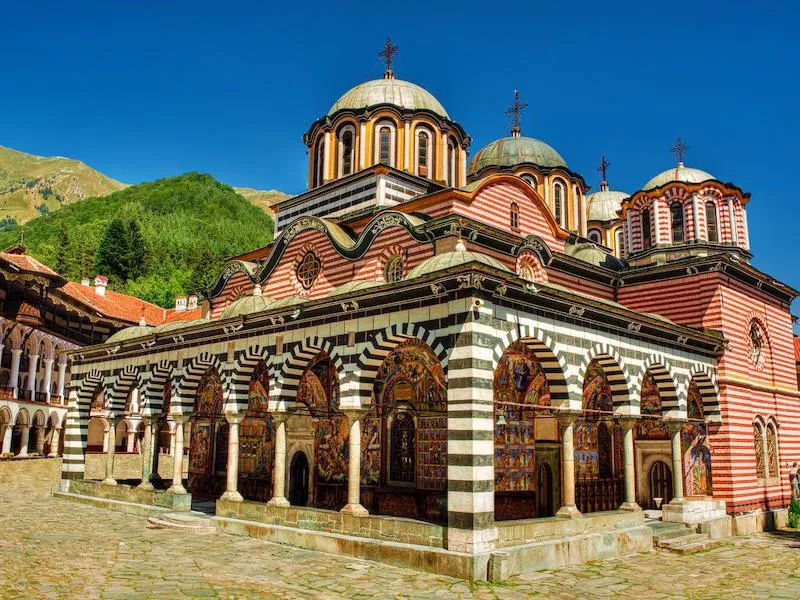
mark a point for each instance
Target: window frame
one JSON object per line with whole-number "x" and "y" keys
{"x": 391, "y": 262}
{"x": 647, "y": 229}
{"x": 677, "y": 227}
{"x": 340, "y": 154}
{"x": 426, "y": 169}
{"x": 514, "y": 216}
{"x": 378, "y": 139}
{"x": 710, "y": 204}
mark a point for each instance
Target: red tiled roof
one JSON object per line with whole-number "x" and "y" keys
{"x": 115, "y": 304}
{"x": 797, "y": 348}
{"x": 28, "y": 263}
{"x": 184, "y": 315}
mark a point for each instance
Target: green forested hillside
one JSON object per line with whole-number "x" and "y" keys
{"x": 153, "y": 240}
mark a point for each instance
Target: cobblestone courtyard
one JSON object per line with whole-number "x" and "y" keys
{"x": 56, "y": 548}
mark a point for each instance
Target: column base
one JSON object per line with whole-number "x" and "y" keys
{"x": 177, "y": 489}
{"x": 232, "y": 497}
{"x": 569, "y": 512}
{"x": 280, "y": 501}
{"x": 354, "y": 509}
{"x": 631, "y": 506}
{"x": 53, "y": 455}
{"x": 109, "y": 481}
{"x": 145, "y": 485}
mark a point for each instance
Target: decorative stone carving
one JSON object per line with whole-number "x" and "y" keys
{"x": 576, "y": 311}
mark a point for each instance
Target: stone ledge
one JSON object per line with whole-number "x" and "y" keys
{"x": 529, "y": 531}
{"x": 131, "y": 508}
{"x": 126, "y": 493}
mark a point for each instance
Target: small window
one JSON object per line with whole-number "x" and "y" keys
{"x": 526, "y": 272}
{"x": 346, "y": 151}
{"x": 711, "y": 222}
{"x": 423, "y": 153}
{"x": 530, "y": 180}
{"x": 393, "y": 271}
{"x": 647, "y": 239}
{"x": 319, "y": 162}
{"x": 452, "y": 162}
{"x": 385, "y": 135}
{"x": 772, "y": 451}
{"x": 308, "y": 269}
{"x": 676, "y": 210}
{"x": 402, "y": 465}
{"x": 756, "y": 346}
{"x": 514, "y": 215}
{"x": 595, "y": 236}
{"x": 620, "y": 243}
{"x": 558, "y": 203}
{"x": 758, "y": 445}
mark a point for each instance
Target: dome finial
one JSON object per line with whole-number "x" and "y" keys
{"x": 515, "y": 112}
{"x": 257, "y": 290}
{"x": 387, "y": 54}
{"x": 679, "y": 150}
{"x": 602, "y": 169}
{"x": 460, "y": 246}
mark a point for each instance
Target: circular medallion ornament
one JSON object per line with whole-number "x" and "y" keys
{"x": 308, "y": 269}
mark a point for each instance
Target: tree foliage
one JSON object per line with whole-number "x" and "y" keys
{"x": 154, "y": 240}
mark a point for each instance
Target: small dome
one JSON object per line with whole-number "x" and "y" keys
{"x": 590, "y": 253}
{"x": 286, "y": 302}
{"x": 246, "y": 305}
{"x": 173, "y": 325}
{"x": 679, "y": 173}
{"x": 512, "y": 151}
{"x": 129, "y": 333}
{"x": 388, "y": 91}
{"x": 603, "y": 205}
{"x": 354, "y": 286}
{"x": 447, "y": 260}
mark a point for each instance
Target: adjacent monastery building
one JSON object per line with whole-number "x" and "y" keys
{"x": 472, "y": 357}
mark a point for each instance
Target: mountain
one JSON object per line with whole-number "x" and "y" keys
{"x": 262, "y": 199}
{"x": 155, "y": 240}
{"x": 28, "y": 181}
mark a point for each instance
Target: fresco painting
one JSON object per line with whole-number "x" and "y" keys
{"x": 696, "y": 448}
{"x": 651, "y": 429}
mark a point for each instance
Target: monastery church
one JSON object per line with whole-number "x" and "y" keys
{"x": 468, "y": 364}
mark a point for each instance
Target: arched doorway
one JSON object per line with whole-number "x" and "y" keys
{"x": 256, "y": 440}
{"x": 404, "y": 439}
{"x": 696, "y": 447}
{"x": 96, "y": 435}
{"x": 206, "y": 476}
{"x": 599, "y": 482}
{"x": 520, "y": 386}
{"x": 660, "y": 477}
{"x": 298, "y": 480}
{"x": 544, "y": 490}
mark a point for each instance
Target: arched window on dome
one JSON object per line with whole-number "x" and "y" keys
{"x": 424, "y": 153}
{"x": 452, "y": 162}
{"x": 596, "y": 236}
{"x": 676, "y": 210}
{"x": 385, "y": 143}
{"x": 346, "y": 150}
{"x": 559, "y": 203}
{"x": 620, "y": 243}
{"x": 647, "y": 238}
{"x": 319, "y": 162}
{"x": 514, "y": 216}
{"x": 530, "y": 180}
{"x": 712, "y": 225}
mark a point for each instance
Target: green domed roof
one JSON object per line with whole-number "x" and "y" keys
{"x": 388, "y": 91}
{"x": 173, "y": 325}
{"x": 246, "y": 305}
{"x": 446, "y": 260}
{"x": 354, "y": 286}
{"x": 679, "y": 173}
{"x": 286, "y": 302}
{"x": 512, "y": 151}
{"x": 590, "y": 253}
{"x": 129, "y": 333}
{"x": 603, "y": 205}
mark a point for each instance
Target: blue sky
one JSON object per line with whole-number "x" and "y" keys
{"x": 140, "y": 91}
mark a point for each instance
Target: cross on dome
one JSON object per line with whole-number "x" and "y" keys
{"x": 602, "y": 169}
{"x": 679, "y": 150}
{"x": 387, "y": 54}
{"x": 515, "y": 112}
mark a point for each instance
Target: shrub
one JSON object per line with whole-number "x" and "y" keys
{"x": 794, "y": 513}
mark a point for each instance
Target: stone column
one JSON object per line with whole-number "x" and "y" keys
{"x": 6, "y": 448}
{"x": 232, "y": 483}
{"x": 353, "y": 506}
{"x": 48, "y": 376}
{"x": 677, "y": 461}
{"x": 131, "y": 441}
{"x": 62, "y": 377}
{"x": 40, "y": 432}
{"x": 105, "y": 438}
{"x": 25, "y": 438}
{"x": 148, "y": 445}
{"x": 177, "y": 457}
{"x": 279, "y": 472}
{"x": 656, "y": 234}
{"x": 111, "y": 450}
{"x": 568, "y": 508}
{"x": 627, "y": 459}
{"x": 13, "y": 380}
{"x": 33, "y": 364}
{"x": 54, "y": 442}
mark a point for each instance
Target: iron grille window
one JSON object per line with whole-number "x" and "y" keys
{"x": 403, "y": 460}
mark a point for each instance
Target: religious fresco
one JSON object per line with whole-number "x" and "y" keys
{"x": 200, "y": 448}
{"x": 519, "y": 385}
{"x": 593, "y": 442}
{"x": 256, "y": 439}
{"x": 696, "y": 448}
{"x": 432, "y": 453}
{"x": 208, "y": 402}
{"x": 331, "y": 450}
{"x": 370, "y": 451}
{"x": 318, "y": 390}
{"x": 203, "y": 443}
{"x": 650, "y": 429}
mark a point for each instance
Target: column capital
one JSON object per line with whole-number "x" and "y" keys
{"x": 48, "y": 361}
{"x": 281, "y": 416}
{"x": 628, "y": 422}
{"x": 16, "y": 352}
{"x": 234, "y": 418}
{"x": 179, "y": 419}
{"x": 674, "y": 425}
{"x": 566, "y": 418}
{"x": 355, "y": 414}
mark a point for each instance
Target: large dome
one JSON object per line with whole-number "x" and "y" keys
{"x": 603, "y": 205}
{"x": 512, "y": 151}
{"x": 389, "y": 91}
{"x": 679, "y": 173}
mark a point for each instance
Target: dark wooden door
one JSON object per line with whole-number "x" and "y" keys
{"x": 298, "y": 480}
{"x": 544, "y": 490}
{"x": 660, "y": 483}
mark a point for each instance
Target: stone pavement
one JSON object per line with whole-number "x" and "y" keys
{"x": 56, "y": 548}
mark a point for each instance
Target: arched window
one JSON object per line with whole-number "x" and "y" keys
{"x": 559, "y": 205}
{"x": 402, "y": 464}
{"x": 308, "y": 269}
{"x": 530, "y": 180}
{"x": 620, "y": 243}
{"x": 676, "y": 210}
{"x": 758, "y": 444}
{"x": 319, "y": 162}
{"x": 772, "y": 450}
{"x": 385, "y": 143}
{"x": 424, "y": 153}
{"x": 711, "y": 222}
{"x": 647, "y": 238}
{"x": 385, "y": 135}
{"x": 346, "y": 156}
{"x": 756, "y": 346}
{"x": 595, "y": 236}
{"x": 393, "y": 271}
{"x": 514, "y": 215}
{"x": 526, "y": 272}
{"x": 452, "y": 162}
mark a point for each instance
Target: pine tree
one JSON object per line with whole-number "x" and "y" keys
{"x": 111, "y": 256}
{"x": 135, "y": 253}
{"x": 63, "y": 262}
{"x": 204, "y": 271}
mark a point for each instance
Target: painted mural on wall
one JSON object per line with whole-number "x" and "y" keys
{"x": 204, "y": 430}
{"x": 256, "y": 439}
{"x": 650, "y": 429}
{"x": 696, "y": 448}
{"x": 593, "y": 440}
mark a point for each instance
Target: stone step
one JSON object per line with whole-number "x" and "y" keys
{"x": 695, "y": 547}
{"x": 190, "y": 522}
{"x": 682, "y": 540}
{"x": 672, "y": 533}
